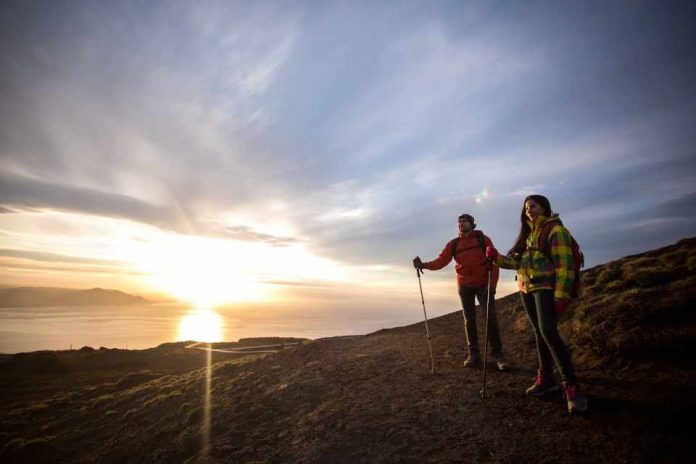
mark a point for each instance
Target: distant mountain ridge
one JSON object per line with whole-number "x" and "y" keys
{"x": 48, "y": 296}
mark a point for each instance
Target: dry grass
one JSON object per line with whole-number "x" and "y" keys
{"x": 638, "y": 307}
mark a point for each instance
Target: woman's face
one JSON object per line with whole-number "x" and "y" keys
{"x": 533, "y": 210}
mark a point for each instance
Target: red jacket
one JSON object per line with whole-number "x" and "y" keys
{"x": 471, "y": 263}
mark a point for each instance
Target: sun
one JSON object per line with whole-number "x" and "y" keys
{"x": 201, "y": 326}
{"x": 209, "y": 272}
{"x": 204, "y": 272}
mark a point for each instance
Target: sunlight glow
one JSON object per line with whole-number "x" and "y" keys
{"x": 210, "y": 272}
{"x": 201, "y": 326}
{"x": 207, "y": 272}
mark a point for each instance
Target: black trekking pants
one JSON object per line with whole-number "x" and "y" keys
{"x": 467, "y": 294}
{"x": 550, "y": 348}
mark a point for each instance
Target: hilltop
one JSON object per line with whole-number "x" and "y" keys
{"x": 372, "y": 398}
{"x": 48, "y": 296}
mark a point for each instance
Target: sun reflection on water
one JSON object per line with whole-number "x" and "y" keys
{"x": 201, "y": 326}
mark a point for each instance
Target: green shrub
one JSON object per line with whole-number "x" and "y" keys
{"x": 638, "y": 263}
{"x": 130, "y": 412}
{"x": 616, "y": 285}
{"x": 677, "y": 257}
{"x": 135, "y": 378}
{"x": 161, "y": 397}
{"x": 609, "y": 274}
{"x": 691, "y": 262}
{"x": 582, "y": 312}
{"x": 99, "y": 401}
{"x": 649, "y": 277}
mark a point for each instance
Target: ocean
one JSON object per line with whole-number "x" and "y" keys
{"x": 146, "y": 326}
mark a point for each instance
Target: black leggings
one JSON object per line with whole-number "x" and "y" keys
{"x": 550, "y": 347}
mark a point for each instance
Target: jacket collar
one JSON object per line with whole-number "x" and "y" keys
{"x": 473, "y": 233}
{"x": 541, "y": 220}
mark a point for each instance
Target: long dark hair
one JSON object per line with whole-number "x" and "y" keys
{"x": 521, "y": 241}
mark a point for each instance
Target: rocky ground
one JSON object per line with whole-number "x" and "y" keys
{"x": 373, "y": 399}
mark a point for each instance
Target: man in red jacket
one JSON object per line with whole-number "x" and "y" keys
{"x": 469, "y": 253}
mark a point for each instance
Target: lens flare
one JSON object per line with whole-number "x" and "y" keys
{"x": 207, "y": 409}
{"x": 481, "y": 196}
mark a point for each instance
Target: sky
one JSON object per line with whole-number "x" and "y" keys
{"x": 275, "y": 155}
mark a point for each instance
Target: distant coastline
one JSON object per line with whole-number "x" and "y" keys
{"x": 20, "y": 297}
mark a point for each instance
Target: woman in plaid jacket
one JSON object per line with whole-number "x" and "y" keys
{"x": 545, "y": 279}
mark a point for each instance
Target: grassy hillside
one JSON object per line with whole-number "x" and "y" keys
{"x": 639, "y": 308}
{"x": 372, "y": 399}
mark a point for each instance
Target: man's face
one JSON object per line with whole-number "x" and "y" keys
{"x": 464, "y": 226}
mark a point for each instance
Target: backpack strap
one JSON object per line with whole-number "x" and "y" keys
{"x": 482, "y": 243}
{"x": 453, "y": 247}
{"x": 455, "y": 243}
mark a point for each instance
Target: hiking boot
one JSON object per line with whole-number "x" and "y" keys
{"x": 542, "y": 384}
{"x": 577, "y": 402}
{"x": 501, "y": 362}
{"x": 472, "y": 360}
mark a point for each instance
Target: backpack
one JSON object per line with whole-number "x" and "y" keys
{"x": 455, "y": 244}
{"x": 578, "y": 257}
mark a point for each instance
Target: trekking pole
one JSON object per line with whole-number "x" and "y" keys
{"x": 427, "y": 332}
{"x": 485, "y": 341}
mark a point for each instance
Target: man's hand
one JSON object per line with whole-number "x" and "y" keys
{"x": 417, "y": 263}
{"x": 492, "y": 253}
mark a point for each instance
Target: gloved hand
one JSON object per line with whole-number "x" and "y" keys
{"x": 417, "y": 263}
{"x": 491, "y": 253}
{"x": 560, "y": 305}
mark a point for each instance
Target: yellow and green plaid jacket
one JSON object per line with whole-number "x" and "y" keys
{"x": 534, "y": 270}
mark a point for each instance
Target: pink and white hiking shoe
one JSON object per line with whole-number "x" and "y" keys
{"x": 577, "y": 402}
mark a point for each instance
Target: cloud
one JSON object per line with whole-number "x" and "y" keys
{"x": 23, "y": 191}
{"x": 57, "y": 258}
{"x": 163, "y": 110}
{"x": 433, "y": 83}
{"x": 247, "y": 234}
{"x": 681, "y": 207}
